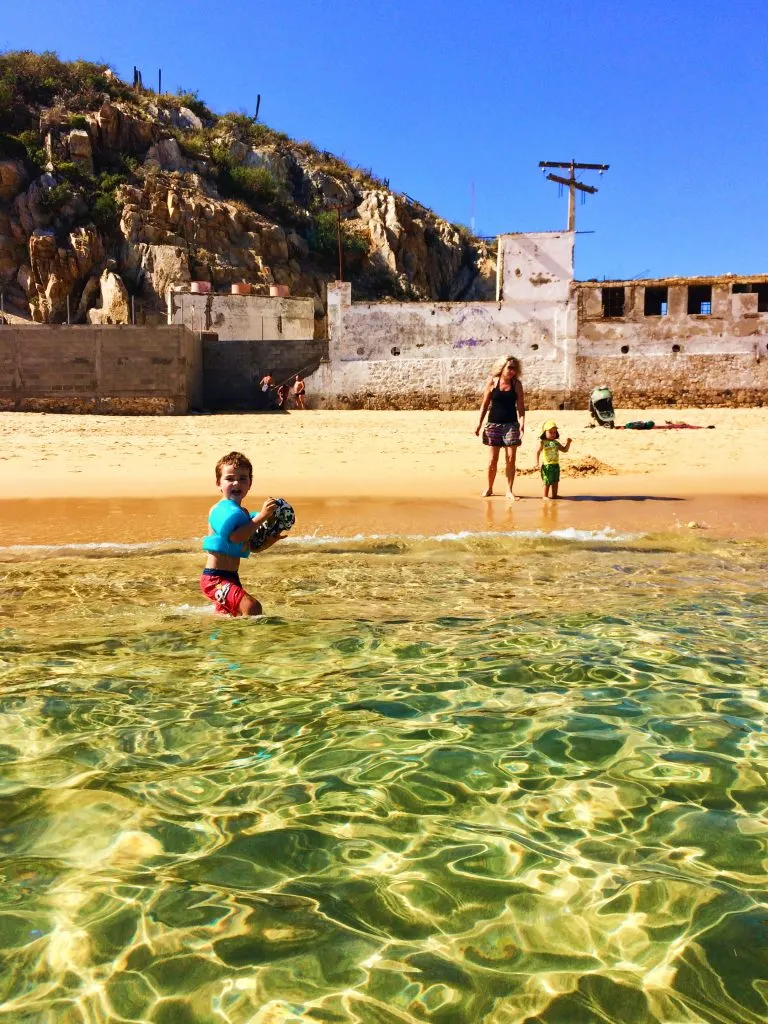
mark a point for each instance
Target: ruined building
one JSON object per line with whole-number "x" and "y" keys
{"x": 677, "y": 341}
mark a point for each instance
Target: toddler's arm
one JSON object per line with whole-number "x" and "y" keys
{"x": 539, "y": 450}
{"x": 566, "y": 446}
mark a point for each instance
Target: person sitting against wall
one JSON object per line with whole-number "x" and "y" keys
{"x": 504, "y": 402}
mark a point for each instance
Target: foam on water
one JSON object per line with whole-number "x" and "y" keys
{"x": 96, "y": 549}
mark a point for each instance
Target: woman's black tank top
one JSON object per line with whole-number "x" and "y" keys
{"x": 503, "y": 406}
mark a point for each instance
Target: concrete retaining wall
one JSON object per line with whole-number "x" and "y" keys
{"x": 232, "y": 369}
{"x": 237, "y": 317}
{"x": 115, "y": 369}
{"x": 429, "y": 355}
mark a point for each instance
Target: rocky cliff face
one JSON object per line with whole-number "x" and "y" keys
{"x": 110, "y": 195}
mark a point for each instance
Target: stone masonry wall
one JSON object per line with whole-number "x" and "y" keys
{"x": 109, "y": 369}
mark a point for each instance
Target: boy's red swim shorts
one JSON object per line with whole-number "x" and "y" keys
{"x": 224, "y": 589}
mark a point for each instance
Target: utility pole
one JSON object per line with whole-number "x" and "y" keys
{"x": 572, "y": 184}
{"x": 338, "y": 236}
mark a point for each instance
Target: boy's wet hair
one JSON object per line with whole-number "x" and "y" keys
{"x": 235, "y": 459}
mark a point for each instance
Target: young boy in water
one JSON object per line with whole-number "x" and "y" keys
{"x": 549, "y": 455}
{"x": 230, "y": 528}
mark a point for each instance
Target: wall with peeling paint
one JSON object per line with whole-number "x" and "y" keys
{"x": 422, "y": 355}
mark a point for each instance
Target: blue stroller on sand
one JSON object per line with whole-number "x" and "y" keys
{"x": 601, "y": 406}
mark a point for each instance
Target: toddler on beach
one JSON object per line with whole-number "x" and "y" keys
{"x": 230, "y": 530}
{"x": 548, "y": 454}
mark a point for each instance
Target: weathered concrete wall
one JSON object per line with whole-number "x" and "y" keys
{"x": 535, "y": 266}
{"x": 232, "y": 369}
{"x": 102, "y": 369}
{"x": 424, "y": 355}
{"x": 255, "y": 317}
{"x": 680, "y": 358}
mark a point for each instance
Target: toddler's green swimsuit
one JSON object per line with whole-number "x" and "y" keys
{"x": 550, "y": 463}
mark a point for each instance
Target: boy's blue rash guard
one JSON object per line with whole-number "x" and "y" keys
{"x": 224, "y": 518}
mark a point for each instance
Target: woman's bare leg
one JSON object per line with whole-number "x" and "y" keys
{"x": 511, "y": 456}
{"x": 493, "y": 462}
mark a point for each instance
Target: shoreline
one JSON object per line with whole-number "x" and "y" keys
{"x": 93, "y": 522}
{"x": 387, "y": 466}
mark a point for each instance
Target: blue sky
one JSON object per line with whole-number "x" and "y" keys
{"x": 437, "y": 95}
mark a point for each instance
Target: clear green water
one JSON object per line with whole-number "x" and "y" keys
{"x": 492, "y": 779}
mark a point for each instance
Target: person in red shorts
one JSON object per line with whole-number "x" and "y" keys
{"x": 230, "y": 528}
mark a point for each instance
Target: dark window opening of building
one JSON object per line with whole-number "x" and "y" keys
{"x": 699, "y": 299}
{"x": 613, "y": 301}
{"x": 655, "y": 303}
{"x": 761, "y": 290}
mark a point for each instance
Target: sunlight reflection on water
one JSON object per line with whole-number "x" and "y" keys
{"x": 485, "y": 779}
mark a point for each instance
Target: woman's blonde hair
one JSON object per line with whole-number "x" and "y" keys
{"x": 512, "y": 360}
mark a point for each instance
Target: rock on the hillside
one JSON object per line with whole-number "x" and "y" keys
{"x": 13, "y": 177}
{"x": 378, "y": 213}
{"x": 117, "y": 132}
{"x": 80, "y": 151}
{"x": 331, "y": 192}
{"x": 114, "y": 301}
{"x": 57, "y": 271}
{"x": 186, "y": 119}
{"x": 156, "y": 268}
{"x": 166, "y": 155}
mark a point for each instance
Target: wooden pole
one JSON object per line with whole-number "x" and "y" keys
{"x": 338, "y": 235}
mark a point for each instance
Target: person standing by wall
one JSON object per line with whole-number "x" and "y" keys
{"x": 504, "y": 402}
{"x": 299, "y": 391}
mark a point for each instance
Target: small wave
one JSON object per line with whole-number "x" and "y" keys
{"x": 96, "y": 549}
{"x": 357, "y": 542}
{"x": 570, "y": 533}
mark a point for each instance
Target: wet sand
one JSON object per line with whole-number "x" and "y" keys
{"x": 80, "y": 479}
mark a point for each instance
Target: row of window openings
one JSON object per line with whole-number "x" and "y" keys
{"x": 699, "y": 299}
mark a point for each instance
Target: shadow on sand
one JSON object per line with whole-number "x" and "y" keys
{"x": 616, "y": 497}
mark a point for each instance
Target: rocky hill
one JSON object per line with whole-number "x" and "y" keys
{"x": 109, "y": 191}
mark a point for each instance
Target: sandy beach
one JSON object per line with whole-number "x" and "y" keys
{"x": 367, "y": 470}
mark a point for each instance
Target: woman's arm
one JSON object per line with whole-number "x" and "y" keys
{"x": 520, "y": 405}
{"x": 484, "y": 405}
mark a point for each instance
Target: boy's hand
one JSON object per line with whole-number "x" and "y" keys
{"x": 268, "y": 507}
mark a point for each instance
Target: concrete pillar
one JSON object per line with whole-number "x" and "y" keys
{"x": 339, "y": 298}
{"x": 721, "y": 304}
{"x": 677, "y": 301}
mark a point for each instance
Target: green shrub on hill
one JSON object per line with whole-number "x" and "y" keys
{"x": 323, "y": 238}
{"x": 31, "y": 80}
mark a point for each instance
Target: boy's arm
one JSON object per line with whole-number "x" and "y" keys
{"x": 566, "y": 446}
{"x": 247, "y": 530}
{"x": 539, "y": 450}
{"x": 270, "y": 541}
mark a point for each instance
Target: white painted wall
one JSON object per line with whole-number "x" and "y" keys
{"x": 536, "y": 267}
{"x": 249, "y": 317}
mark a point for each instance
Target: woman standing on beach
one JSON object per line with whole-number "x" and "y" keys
{"x": 504, "y": 402}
